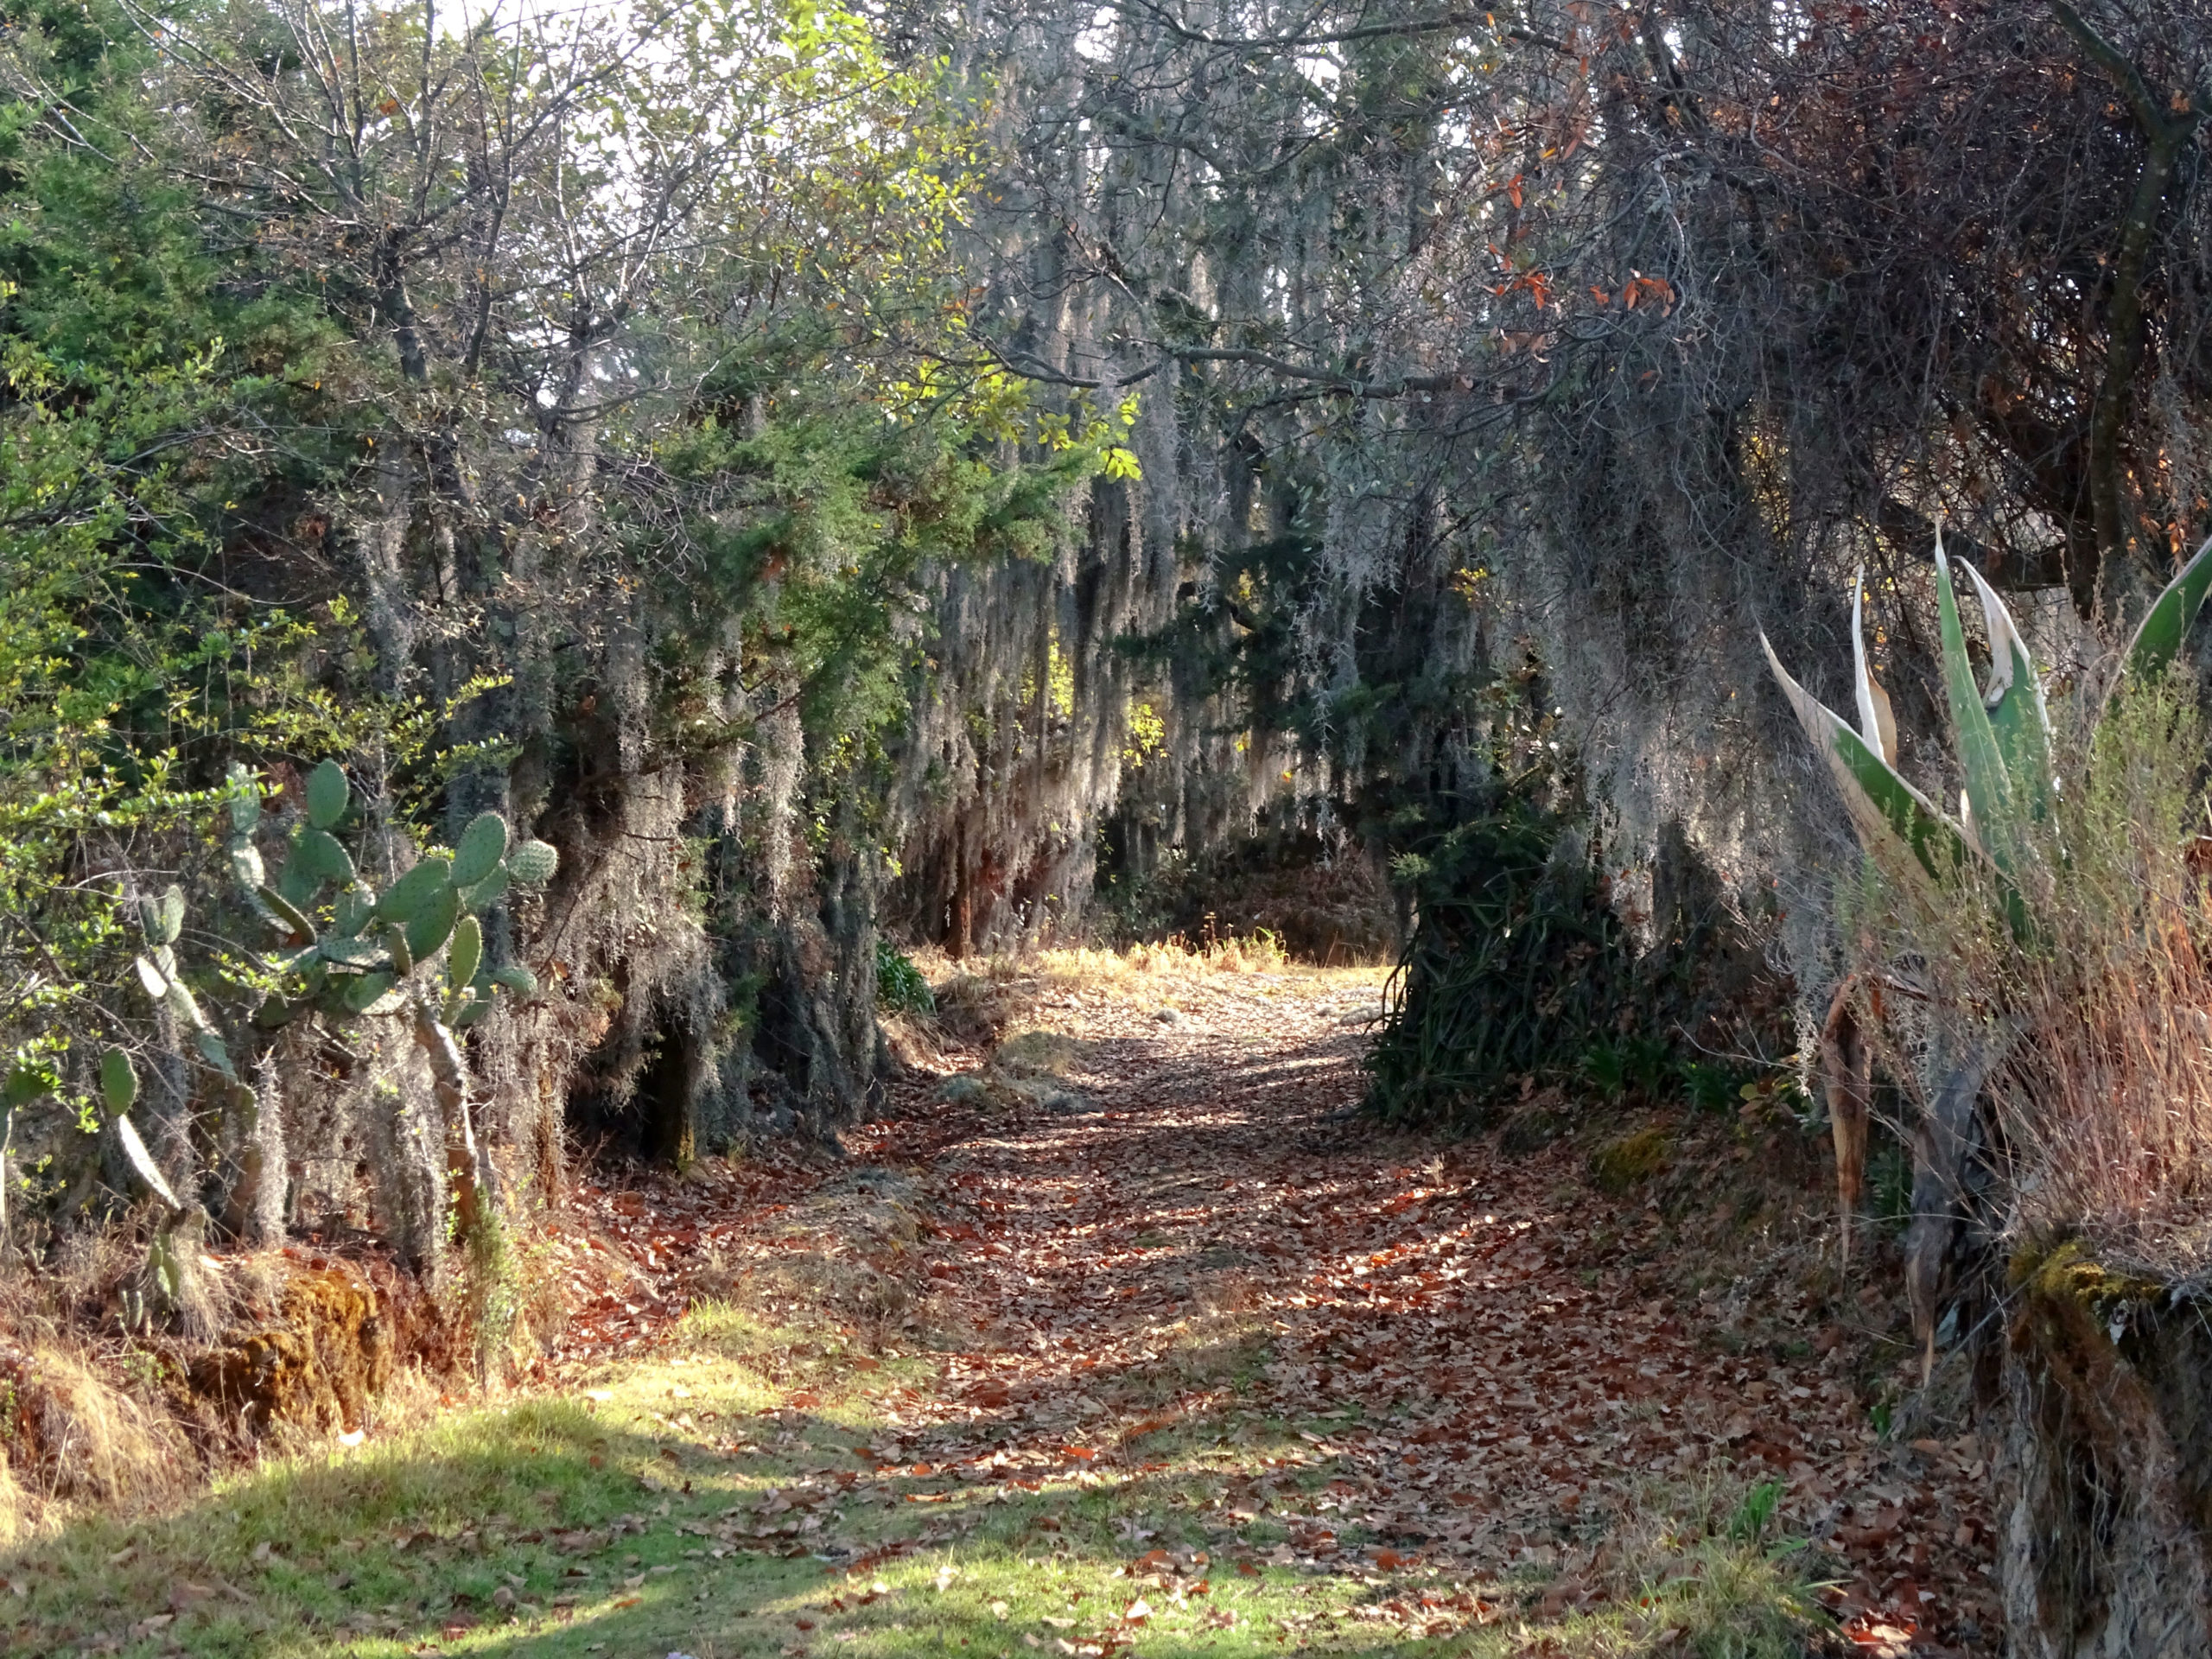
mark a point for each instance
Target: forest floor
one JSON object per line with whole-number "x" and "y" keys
{"x": 1123, "y": 1337}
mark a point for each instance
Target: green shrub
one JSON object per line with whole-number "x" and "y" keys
{"x": 900, "y": 986}
{"x": 1515, "y": 965}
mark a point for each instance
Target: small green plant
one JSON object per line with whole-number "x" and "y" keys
{"x": 1516, "y": 967}
{"x": 900, "y": 986}
{"x": 1749, "y": 1523}
{"x": 1605, "y": 1062}
{"x": 1646, "y": 1062}
{"x": 1889, "y": 1179}
{"x": 1711, "y": 1087}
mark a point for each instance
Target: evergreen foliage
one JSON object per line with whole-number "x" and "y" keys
{"x": 559, "y": 422}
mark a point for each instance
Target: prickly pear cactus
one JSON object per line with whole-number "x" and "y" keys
{"x": 344, "y": 951}
{"x": 339, "y": 951}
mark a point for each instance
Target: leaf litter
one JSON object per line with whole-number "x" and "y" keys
{"x": 1442, "y": 1387}
{"x": 1424, "y": 1360}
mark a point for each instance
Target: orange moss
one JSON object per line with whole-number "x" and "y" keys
{"x": 328, "y": 1351}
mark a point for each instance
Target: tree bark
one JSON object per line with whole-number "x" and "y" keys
{"x": 2124, "y": 316}
{"x": 2104, "y": 1464}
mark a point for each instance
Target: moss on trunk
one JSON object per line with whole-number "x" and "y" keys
{"x": 2105, "y": 1464}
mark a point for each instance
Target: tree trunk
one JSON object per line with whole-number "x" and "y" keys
{"x": 2104, "y": 1465}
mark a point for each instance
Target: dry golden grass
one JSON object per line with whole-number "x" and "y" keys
{"x": 2082, "y": 980}
{"x": 980, "y": 998}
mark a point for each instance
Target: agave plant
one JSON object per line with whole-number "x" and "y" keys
{"x": 2002, "y": 734}
{"x": 2002, "y": 731}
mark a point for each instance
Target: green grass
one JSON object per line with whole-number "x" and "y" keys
{"x": 449, "y": 1538}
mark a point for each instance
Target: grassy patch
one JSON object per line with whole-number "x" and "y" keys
{"x": 722, "y": 1501}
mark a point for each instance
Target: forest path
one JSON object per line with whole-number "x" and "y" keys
{"x": 1125, "y": 1340}
{"x": 1186, "y": 1239}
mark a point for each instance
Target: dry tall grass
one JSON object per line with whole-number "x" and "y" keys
{"x": 2091, "y": 992}
{"x": 978, "y": 998}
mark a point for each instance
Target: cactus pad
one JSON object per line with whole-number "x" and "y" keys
{"x": 141, "y": 1161}
{"x": 327, "y": 795}
{"x": 352, "y": 952}
{"x": 483, "y": 844}
{"x": 213, "y": 1050}
{"x": 488, "y": 892}
{"x": 245, "y": 800}
{"x": 288, "y": 915}
{"x": 118, "y": 1082}
{"x": 274, "y": 1013}
{"x": 467, "y": 951}
{"x": 297, "y": 882}
{"x": 516, "y": 978}
{"x": 428, "y": 927}
{"x": 246, "y": 866}
{"x": 356, "y": 905}
{"x": 361, "y": 993}
{"x": 161, "y": 919}
{"x": 319, "y": 852}
{"x": 532, "y": 863}
{"x": 414, "y": 890}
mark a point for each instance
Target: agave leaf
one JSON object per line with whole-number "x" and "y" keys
{"x": 1988, "y": 786}
{"x": 2165, "y": 625}
{"x": 1889, "y": 813}
{"x": 2017, "y": 713}
{"x": 1877, "y": 723}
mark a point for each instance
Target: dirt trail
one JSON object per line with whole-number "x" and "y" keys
{"x": 1127, "y": 1338}
{"x": 1486, "y": 1346}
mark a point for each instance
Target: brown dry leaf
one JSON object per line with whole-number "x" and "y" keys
{"x": 1474, "y": 1347}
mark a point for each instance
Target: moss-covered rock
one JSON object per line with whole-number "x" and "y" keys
{"x": 1619, "y": 1167}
